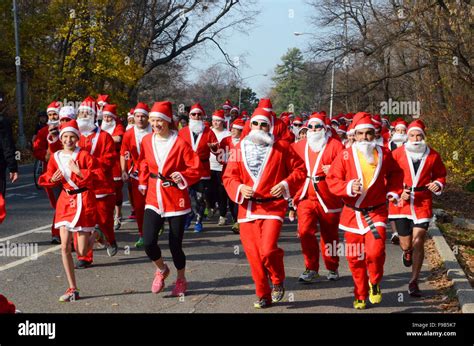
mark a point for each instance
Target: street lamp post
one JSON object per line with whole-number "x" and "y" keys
{"x": 19, "y": 89}
{"x": 240, "y": 84}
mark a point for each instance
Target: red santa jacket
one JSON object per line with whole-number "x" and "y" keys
{"x": 278, "y": 128}
{"x": 281, "y": 165}
{"x": 3, "y": 212}
{"x": 431, "y": 169}
{"x": 178, "y": 157}
{"x": 76, "y": 211}
{"x": 130, "y": 150}
{"x": 388, "y": 179}
{"x": 101, "y": 146}
{"x": 226, "y": 150}
{"x": 314, "y": 168}
{"x": 201, "y": 147}
{"x": 117, "y": 131}
{"x": 44, "y": 142}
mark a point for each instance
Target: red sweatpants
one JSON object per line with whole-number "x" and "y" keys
{"x": 309, "y": 213}
{"x": 105, "y": 219}
{"x": 260, "y": 241}
{"x": 365, "y": 254}
{"x": 138, "y": 204}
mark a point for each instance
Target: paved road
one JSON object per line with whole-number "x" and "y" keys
{"x": 217, "y": 271}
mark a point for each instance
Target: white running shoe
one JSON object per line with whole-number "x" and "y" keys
{"x": 308, "y": 276}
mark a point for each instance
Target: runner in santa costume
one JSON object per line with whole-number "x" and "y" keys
{"x": 226, "y": 107}
{"x": 217, "y": 193}
{"x": 113, "y": 127}
{"x": 168, "y": 166}
{"x": 315, "y": 203}
{"x": 47, "y": 143}
{"x": 130, "y": 124}
{"x": 129, "y": 164}
{"x": 102, "y": 147}
{"x": 130, "y": 120}
{"x": 296, "y": 125}
{"x": 261, "y": 179}
{"x": 203, "y": 141}
{"x": 278, "y": 128}
{"x": 398, "y": 138}
{"x": 365, "y": 176}
{"x": 227, "y": 151}
{"x": 382, "y": 135}
{"x": 74, "y": 169}
{"x": 424, "y": 175}
{"x": 102, "y": 101}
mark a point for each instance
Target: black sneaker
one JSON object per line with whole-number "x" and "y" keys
{"x": 55, "y": 240}
{"x": 414, "y": 290}
{"x": 395, "y": 240}
{"x": 262, "y": 304}
{"x": 81, "y": 264}
{"x": 278, "y": 292}
{"x": 112, "y": 249}
{"x": 407, "y": 258}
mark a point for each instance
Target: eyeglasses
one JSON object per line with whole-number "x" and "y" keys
{"x": 315, "y": 127}
{"x": 261, "y": 124}
{"x": 297, "y": 125}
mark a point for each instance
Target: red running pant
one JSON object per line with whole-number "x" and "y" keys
{"x": 309, "y": 213}
{"x": 366, "y": 257}
{"x": 105, "y": 219}
{"x": 260, "y": 241}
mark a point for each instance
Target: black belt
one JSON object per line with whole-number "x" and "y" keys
{"x": 265, "y": 200}
{"x": 166, "y": 181}
{"x": 368, "y": 219}
{"x": 420, "y": 188}
{"x": 75, "y": 192}
{"x": 317, "y": 178}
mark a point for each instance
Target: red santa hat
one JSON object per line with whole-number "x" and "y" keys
{"x": 316, "y": 117}
{"x": 197, "y": 108}
{"x": 67, "y": 112}
{"x": 238, "y": 124}
{"x": 110, "y": 109}
{"x": 349, "y": 117}
{"x": 265, "y": 104}
{"x": 141, "y": 107}
{"x": 400, "y": 123}
{"x": 342, "y": 129}
{"x": 88, "y": 105}
{"x": 162, "y": 110}
{"x": 218, "y": 115}
{"x": 130, "y": 114}
{"x": 417, "y": 125}
{"x": 261, "y": 114}
{"x": 244, "y": 114}
{"x": 362, "y": 120}
{"x": 298, "y": 120}
{"x": 227, "y": 104}
{"x": 102, "y": 100}
{"x": 53, "y": 107}
{"x": 377, "y": 120}
{"x": 69, "y": 126}
{"x": 235, "y": 108}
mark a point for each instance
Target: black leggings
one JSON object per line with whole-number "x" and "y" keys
{"x": 152, "y": 223}
{"x": 218, "y": 193}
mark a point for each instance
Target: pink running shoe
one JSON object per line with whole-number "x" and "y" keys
{"x": 159, "y": 280}
{"x": 180, "y": 288}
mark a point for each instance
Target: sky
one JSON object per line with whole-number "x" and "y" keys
{"x": 265, "y": 43}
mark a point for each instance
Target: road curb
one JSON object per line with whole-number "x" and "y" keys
{"x": 455, "y": 273}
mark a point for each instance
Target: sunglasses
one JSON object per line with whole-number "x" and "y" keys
{"x": 315, "y": 127}
{"x": 297, "y": 125}
{"x": 195, "y": 114}
{"x": 262, "y": 124}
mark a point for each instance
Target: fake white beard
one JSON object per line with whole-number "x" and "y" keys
{"x": 295, "y": 130}
{"x": 196, "y": 126}
{"x": 86, "y": 125}
{"x": 53, "y": 122}
{"x": 399, "y": 138}
{"x": 107, "y": 125}
{"x": 316, "y": 140}
{"x": 416, "y": 150}
{"x": 367, "y": 149}
{"x": 260, "y": 137}
{"x": 235, "y": 140}
{"x": 379, "y": 141}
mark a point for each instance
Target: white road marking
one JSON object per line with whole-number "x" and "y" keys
{"x": 26, "y": 232}
{"x": 19, "y": 187}
{"x": 30, "y": 197}
{"x": 26, "y": 259}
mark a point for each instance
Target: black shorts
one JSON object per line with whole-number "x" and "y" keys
{"x": 405, "y": 226}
